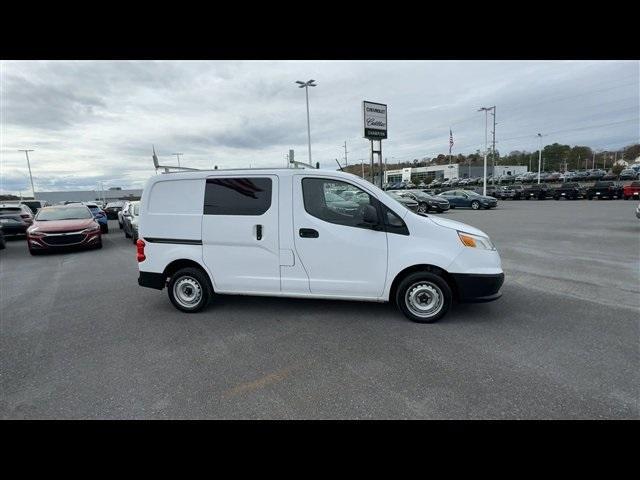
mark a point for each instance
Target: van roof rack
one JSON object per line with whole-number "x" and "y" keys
{"x": 167, "y": 168}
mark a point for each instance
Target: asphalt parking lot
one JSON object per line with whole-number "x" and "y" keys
{"x": 80, "y": 339}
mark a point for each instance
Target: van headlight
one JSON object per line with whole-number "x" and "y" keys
{"x": 475, "y": 241}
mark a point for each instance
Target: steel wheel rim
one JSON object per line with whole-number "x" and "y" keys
{"x": 422, "y": 208}
{"x": 475, "y": 205}
{"x": 187, "y": 292}
{"x": 424, "y": 299}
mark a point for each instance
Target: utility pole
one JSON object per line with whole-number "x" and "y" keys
{"x": 26, "y": 152}
{"x": 539, "y": 156}
{"x": 486, "y": 146}
{"x": 306, "y": 86}
{"x": 493, "y": 153}
{"x": 345, "y": 154}
{"x": 362, "y": 164}
{"x": 593, "y": 165}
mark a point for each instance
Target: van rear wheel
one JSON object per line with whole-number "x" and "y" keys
{"x": 424, "y": 297}
{"x": 189, "y": 290}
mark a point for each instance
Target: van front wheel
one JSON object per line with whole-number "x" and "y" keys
{"x": 424, "y": 297}
{"x": 189, "y": 290}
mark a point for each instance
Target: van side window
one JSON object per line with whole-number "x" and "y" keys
{"x": 336, "y": 202}
{"x": 237, "y": 196}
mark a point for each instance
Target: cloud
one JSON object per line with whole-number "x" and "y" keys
{"x": 89, "y": 121}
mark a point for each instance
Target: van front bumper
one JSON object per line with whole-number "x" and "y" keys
{"x": 475, "y": 287}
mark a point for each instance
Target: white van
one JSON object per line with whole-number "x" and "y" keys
{"x": 293, "y": 233}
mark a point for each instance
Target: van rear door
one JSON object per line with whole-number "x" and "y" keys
{"x": 240, "y": 243}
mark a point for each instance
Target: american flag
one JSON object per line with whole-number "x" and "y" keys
{"x": 450, "y": 141}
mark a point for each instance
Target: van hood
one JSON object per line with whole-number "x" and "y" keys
{"x": 463, "y": 227}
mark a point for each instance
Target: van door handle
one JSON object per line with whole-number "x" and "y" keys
{"x": 259, "y": 232}
{"x": 309, "y": 233}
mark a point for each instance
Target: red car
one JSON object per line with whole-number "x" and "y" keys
{"x": 63, "y": 226}
{"x": 631, "y": 191}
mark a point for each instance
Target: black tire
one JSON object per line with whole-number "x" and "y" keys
{"x": 423, "y": 208}
{"x": 99, "y": 245}
{"x": 134, "y": 238}
{"x": 475, "y": 205}
{"x": 3, "y": 244}
{"x": 429, "y": 282}
{"x": 589, "y": 197}
{"x": 555, "y": 197}
{"x": 626, "y": 197}
{"x": 34, "y": 252}
{"x": 104, "y": 228}
{"x": 193, "y": 278}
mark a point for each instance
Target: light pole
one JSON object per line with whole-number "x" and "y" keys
{"x": 539, "y": 156}
{"x": 306, "y": 86}
{"x": 26, "y": 152}
{"x": 486, "y": 120}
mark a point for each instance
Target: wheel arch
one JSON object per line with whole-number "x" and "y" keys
{"x": 178, "y": 264}
{"x": 422, "y": 267}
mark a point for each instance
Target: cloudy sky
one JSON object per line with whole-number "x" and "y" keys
{"x": 96, "y": 121}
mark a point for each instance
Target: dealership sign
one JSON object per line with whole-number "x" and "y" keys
{"x": 375, "y": 120}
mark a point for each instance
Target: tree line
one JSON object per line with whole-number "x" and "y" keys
{"x": 555, "y": 157}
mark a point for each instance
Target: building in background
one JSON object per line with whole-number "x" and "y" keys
{"x": 445, "y": 172}
{"x": 88, "y": 195}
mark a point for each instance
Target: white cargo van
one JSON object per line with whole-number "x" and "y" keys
{"x": 293, "y": 233}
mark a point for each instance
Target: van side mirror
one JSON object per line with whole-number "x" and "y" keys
{"x": 370, "y": 214}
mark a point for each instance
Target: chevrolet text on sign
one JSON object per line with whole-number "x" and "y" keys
{"x": 375, "y": 120}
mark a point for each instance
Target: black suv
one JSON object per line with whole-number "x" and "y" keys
{"x": 539, "y": 191}
{"x": 569, "y": 190}
{"x": 604, "y": 190}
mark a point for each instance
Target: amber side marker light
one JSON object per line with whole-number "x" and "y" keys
{"x": 467, "y": 240}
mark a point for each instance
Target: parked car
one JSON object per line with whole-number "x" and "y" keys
{"x": 631, "y": 191}
{"x": 567, "y": 177}
{"x": 468, "y": 198}
{"x": 63, "y": 227}
{"x": 112, "y": 209}
{"x": 581, "y": 176}
{"x": 538, "y": 191}
{"x": 518, "y": 192}
{"x": 34, "y": 205}
{"x": 270, "y": 232}
{"x": 596, "y": 174}
{"x": 426, "y": 202}
{"x": 553, "y": 177}
{"x": 15, "y": 218}
{"x": 130, "y": 219}
{"x": 604, "y": 189}
{"x": 638, "y": 211}
{"x": 406, "y": 202}
{"x": 628, "y": 174}
{"x": 125, "y": 205}
{"x": 499, "y": 192}
{"x": 568, "y": 190}
{"x": 99, "y": 215}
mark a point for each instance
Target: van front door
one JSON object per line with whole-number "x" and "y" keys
{"x": 341, "y": 253}
{"x": 240, "y": 243}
